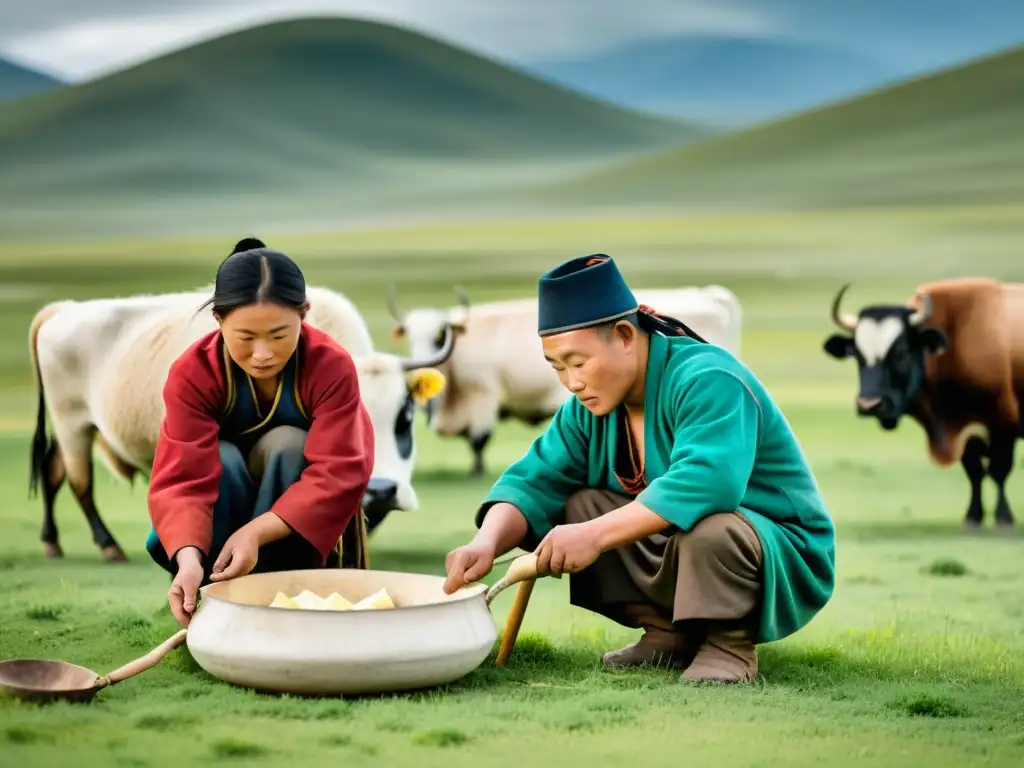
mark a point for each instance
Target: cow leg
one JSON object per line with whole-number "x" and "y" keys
{"x": 1000, "y": 466}
{"x": 53, "y": 479}
{"x": 478, "y": 444}
{"x": 973, "y": 462}
{"x": 78, "y": 465}
{"x": 483, "y": 415}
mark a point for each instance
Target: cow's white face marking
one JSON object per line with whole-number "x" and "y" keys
{"x": 874, "y": 338}
{"x": 423, "y": 329}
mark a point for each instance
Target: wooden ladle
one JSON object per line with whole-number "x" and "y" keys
{"x": 45, "y": 680}
{"x": 522, "y": 571}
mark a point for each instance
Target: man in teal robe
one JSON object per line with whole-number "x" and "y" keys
{"x": 670, "y": 487}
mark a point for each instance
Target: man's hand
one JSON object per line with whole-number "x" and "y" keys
{"x": 182, "y": 594}
{"x": 567, "y": 549}
{"x": 466, "y": 564}
{"x": 238, "y": 556}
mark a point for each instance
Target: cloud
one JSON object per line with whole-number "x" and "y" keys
{"x": 76, "y": 39}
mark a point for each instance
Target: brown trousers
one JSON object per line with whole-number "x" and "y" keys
{"x": 710, "y": 573}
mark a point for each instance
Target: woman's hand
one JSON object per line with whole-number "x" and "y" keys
{"x": 467, "y": 564}
{"x": 241, "y": 550}
{"x": 182, "y": 594}
{"x": 238, "y": 556}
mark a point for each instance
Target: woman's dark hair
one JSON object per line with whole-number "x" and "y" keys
{"x": 255, "y": 273}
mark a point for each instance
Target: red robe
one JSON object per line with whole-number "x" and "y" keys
{"x": 185, "y": 480}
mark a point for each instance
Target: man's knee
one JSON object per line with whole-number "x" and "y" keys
{"x": 590, "y": 503}
{"x": 284, "y": 446}
{"x": 726, "y": 538}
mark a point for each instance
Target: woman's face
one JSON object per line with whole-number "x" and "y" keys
{"x": 261, "y": 337}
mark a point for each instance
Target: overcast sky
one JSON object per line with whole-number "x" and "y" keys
{"x": 84, "y": 38}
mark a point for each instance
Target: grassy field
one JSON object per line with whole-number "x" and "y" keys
{"x": 917, "y": 660}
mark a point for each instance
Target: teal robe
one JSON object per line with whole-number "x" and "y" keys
{"x": 714, "y": 441}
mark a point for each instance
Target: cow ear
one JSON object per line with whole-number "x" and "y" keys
{"x": 932, "y": 340}
{"x": 397, "y": 332}
{"x": 425, "y": 384}
{"x": 838, "y": 346}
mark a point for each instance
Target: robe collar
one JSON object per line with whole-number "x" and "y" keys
{"x": 657, "y": 357}
{"x": 657, "y": 441}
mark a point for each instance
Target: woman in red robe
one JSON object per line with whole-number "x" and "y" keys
{"x": 266, "y": 449}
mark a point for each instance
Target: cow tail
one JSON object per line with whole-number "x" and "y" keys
{"x": 41, "y": 442}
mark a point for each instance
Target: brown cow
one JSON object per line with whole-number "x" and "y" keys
{"x": 952, "y": 359}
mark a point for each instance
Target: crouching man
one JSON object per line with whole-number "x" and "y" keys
{"x": 670, "y": 487}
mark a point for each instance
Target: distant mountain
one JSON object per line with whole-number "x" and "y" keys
{"x": 343, "y": 113}
{"x": 728, "y": 81}
{"x": 952, "y": 137}
{"x": 17, "y": 81}
{"x": 914, "y": 36}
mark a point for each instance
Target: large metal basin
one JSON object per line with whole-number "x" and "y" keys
{"x": 428, "y": 639}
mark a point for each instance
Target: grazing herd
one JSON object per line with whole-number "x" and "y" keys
{"x": 951, "y": 359}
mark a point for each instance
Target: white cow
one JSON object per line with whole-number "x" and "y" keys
{"x": 101, "y": 366}
{"x": 498, "y": 371}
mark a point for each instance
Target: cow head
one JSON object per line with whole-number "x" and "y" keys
{"x": 425, "y": 329}
{"x": 890, "y": 343}
{"x": 391, "y": 387}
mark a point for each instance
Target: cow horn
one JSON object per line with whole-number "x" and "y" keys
{"x": 924, "y": 313}
{"x": 439, "y": 357}
{"x": 461, "y": 317}
{"x": 845, "y": 321}
{"x": 393, "y": 304}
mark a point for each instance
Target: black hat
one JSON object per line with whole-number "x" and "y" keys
{"x": 582, "y": 292}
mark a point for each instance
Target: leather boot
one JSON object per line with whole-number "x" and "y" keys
{"x": 661, "y": 645}
{"x": 727, "y": 656}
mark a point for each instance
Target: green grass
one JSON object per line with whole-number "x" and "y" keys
{"x": 917, "y": 660}
{"x": 321, "y": 118}
{"x": 953, "y": 137}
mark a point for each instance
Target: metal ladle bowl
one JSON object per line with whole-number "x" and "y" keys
{"x": 44, "y": 680}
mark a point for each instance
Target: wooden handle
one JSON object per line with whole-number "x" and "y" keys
{"x": 143, "y": 663}
{"x": 515, "y": 620}
{"x": 522, "y": 568}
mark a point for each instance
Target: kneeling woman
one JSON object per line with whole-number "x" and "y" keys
{"x": 266, "y": 449}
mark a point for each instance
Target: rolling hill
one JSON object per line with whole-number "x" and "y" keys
{"x": 17, "y": 81}
{"x": 721, "y": 80}
{"x": 954, "y": 136}
{"x": 333, "y": 112}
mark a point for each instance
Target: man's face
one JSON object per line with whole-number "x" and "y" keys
{"x": 598, "y": 366}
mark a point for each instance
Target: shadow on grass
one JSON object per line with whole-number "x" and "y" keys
{"x": 461, "y": 477}
{"x": 409, "y": 560}
{"x": 918, "y": 531}
{"x": 23, "y": 560}
{"x": 865, "y": 658}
